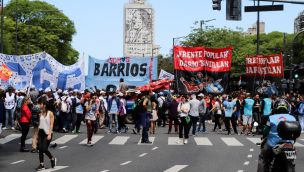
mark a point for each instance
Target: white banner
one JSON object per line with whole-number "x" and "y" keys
{"x": 165, "y": 75}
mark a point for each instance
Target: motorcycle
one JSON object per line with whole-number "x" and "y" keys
{"x": 285, "y": 152}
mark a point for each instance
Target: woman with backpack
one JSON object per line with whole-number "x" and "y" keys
{"x": 25, "y": 121}
{"x": 122, "y": 113}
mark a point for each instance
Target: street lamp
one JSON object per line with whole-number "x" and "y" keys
{"x": 202, "y": 22}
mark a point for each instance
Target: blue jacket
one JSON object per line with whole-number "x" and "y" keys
{"x": 110, "y": 104}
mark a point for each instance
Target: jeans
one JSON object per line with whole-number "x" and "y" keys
{"x": 44, "y": 145}
{"x": 193, "y": 123}
{"x": 145, "y": 135}
{"x": 184, "y": 128}
{"x": 233, "y": 122}
{"x": 301, "y": 121}
{"x": 25, "y": 126}
{"x": 202, "y": 119}
{"x": 9, "y": 117}
{"x": 171, "y": 120}
{"x": 35, "y": 137}
{"x": 77, "y": 117}
{"x": 114, "y": 117}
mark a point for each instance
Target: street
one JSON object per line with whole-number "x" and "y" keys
{"x": 213, "y": 151}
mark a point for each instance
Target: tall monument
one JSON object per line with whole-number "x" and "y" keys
{"x": 139, "y": 29}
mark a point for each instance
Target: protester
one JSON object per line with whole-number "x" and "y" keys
{"x": 45, "y": 134}
{"x": 248, "y": 111}
{"x": 194, "y": 112}
{"x": 184, "y": 120}
{"x": 102, "y": 109}
{"x": 2, "y": 109}
{"x": 173, "y": 115}
{"x": 230, "y": 108}
{"x": 9, "y": 103}
{"x": 217, "y": 110}
{"x": 113, "y": 110}
{"x": 90, "y": 117}
{"x": 202, "y": 113}
{"x": 122, "y": 113}
{"x": 35, "y": 123}
{"x": 25, "y": 122}
{"x": 79, "y": 112}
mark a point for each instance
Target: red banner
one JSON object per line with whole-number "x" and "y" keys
{"x": 5, "y": 72}
{"x": 194, "y": 59}
{"x": 157, "y": 85}
{"x": 271, "y": 65}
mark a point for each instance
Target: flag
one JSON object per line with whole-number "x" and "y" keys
{"x": 5, "y": 72}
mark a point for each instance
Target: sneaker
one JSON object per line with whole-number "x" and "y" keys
{"x": 53, "y": 162}
{"x": 13, "y": 128}
{"x": 74, "y": 131}
{"x": 186, "y": 141}
{"x": 34, "y": 150}
{"x": 78, "y": 131}
{"x": 40, "y": 167}
{"x": 24, "y": 150}
{"x": 146, "y": 142}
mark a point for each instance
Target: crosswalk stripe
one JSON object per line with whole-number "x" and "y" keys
{"x": 297, "y": 144}
{"x": 9, "y": 138}
{"x": 150, "y": 139}
{"x": 95, "y": 139}
{"x": 64, "y": 139}
{"x": 16, "y": 162}
{"x": 254, "y": 140}
{"x": 231, "y": 141}
{"x": 176, "y": 168}
{"x": 55, "y": 169}
{"x": 174, "y": 141}
{"x": 119, "y": 140}
{"x": 204, "y": 141}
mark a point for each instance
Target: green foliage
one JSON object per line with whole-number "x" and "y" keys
{"x": 242, "y": 43}
{"x": 165, "y": 63}
{"x": 41, "y": 27}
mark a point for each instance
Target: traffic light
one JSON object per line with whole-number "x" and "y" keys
{"x": 234, "y": 10}
{"x": 296, "y": 72}
{"x": 216, "y": 4}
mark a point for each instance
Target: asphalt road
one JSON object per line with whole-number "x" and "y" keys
{"x": 208, "y": 152}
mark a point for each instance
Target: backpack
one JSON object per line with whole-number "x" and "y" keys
{"x": 300, "y": 109}
{"x": 74, "y": 102}
{"x": 64, "y": 105}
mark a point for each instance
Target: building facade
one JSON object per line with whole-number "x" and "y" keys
{"x": 253, "y": 29}
{"x": 139, "y": 30}
{"x": 299, "y": 23}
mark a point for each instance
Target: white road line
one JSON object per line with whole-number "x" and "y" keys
{"x": 297, "y": 144}
{"x": 105, "y": 171}
{"x": 240, "y": 171}
{"x": 95, "y": 139}
{"x": 155, "y": 148}
{"x": 254, "y": 140}
{"x": 202, "y": 141}
{"x": 62, "y": 147}
{"x": 231, "y": 141}
{"x": 125, "y": 163}
{"x": 119, "y": 140}
{"x": 64, "y": 139}
{"x": 176, "y": 168}
{"x": 150, "y": 138}
{"x": 9, "y": 138}
{"x": 13, "y": 163}
{"x": 174, "y": 141}
{"x": 142, "y": 155}
{"x": 55, "y": 169}
{"x": 249, "y": 156}
{"x": 29, "y": 141}
{"x": 251, "y": 150}
{"x": 246, "y": 163}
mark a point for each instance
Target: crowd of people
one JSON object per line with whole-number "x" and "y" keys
{"x": 63, "y": 111}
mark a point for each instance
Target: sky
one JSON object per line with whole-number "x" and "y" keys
{"x": 99, "y": 23}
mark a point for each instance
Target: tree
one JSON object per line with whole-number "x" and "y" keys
{"x": 41, "y": 27}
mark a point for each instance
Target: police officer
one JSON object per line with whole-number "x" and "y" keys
{"x": 282, "y": 109}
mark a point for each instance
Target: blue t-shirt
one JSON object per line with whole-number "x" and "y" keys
{"x": 248, "y": 107}
{"x": 114, "y": 107}
{"x": 229, "y": 106}
{"x": 267, "y": 107}
{"x": 274, "y": 120}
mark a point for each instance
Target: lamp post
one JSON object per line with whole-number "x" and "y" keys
{"x": 16, "y": 29}
{"x": 202, "y": 22}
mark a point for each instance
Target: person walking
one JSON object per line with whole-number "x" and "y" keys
{"x": 9, "y": 104}
{"x": 194, "y": 112}
{"x": 35, "y": 123}
{"x": 90, "y": 116}
{"x": 145, "y": 112}
{"x": 113, "y": 110}
{"x": 45, "y": 134}
{"x": 102, "y": 109}
{"x": 79, "y": 114}
{"x": 230, "y": 109}
{"x": 122, "y": 113}
{"x": 248, "y": 111}
{"x": 202, "y": 113}
{"x": 173, "y": 115}
{"x": 217, "y": 109}
{"x": 184, "y": 120}
{"x": 25, "y": 122}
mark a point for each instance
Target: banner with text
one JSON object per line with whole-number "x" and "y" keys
{"x": 202, "y": 69}
{"x": 271, "y": 65}
{"x": 42, "y": 70}
{"x": 136, "y": 71}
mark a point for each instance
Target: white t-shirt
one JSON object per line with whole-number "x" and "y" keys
{"x": 218, "y": 108}
{"x": 9, "y": 101}
{"x": 194, "y": 107}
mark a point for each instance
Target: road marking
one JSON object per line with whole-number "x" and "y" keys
{"x": 95, "y": 139}
{"x": 29, "y": 141}
{"x": 142, "y": 155}
{"x": 176, "y": 168}
{"x": 174, "y": 141}
{"x": 155, "y": 148}
{"x": 202, "y": 141}
{"x": 119, "y": 140}
{"x": 151, "y": 140}
{"x": 125, "y": 163}
{"x": 251, "y": 150}
{"x": 249, "y": 156}
{"x": 9, "y": 138}
{"x": 62, "y": 147}
{"x": 231, "y": 141}
{"x": 298, "y": 145}
{"x": 64, "y": 139}
{"x": 254, "y": 140}
{"x": 240, "y": 171}
{"x": 105, "y": 171}
{"x": 55, "y": 169}
{"x": 13, "y": 163}
{"x": 246, "y": 163}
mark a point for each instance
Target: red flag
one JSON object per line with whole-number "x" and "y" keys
{"x": 5, "y": 72}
